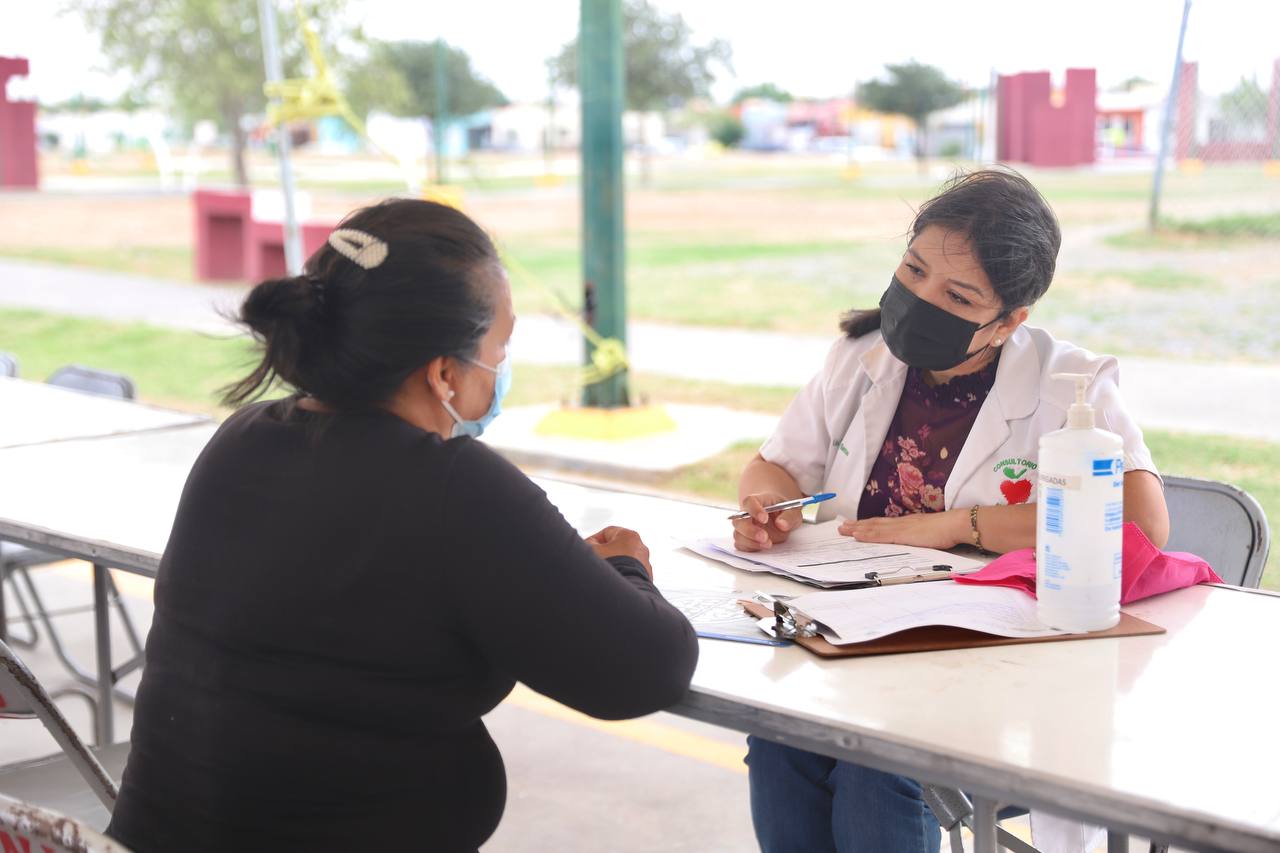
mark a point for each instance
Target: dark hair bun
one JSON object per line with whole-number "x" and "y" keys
{"x": 281, "y": 314}
{"x": 275, "y": 304}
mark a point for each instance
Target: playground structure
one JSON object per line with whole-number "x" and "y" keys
{"x": 17, "y": 131}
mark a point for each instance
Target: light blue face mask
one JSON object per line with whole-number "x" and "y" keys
{"x": 501, "y": 386}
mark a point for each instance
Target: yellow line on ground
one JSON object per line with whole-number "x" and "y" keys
{"x": 667, "y": 738}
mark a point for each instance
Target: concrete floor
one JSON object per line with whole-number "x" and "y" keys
{"x": 662, "y": 783}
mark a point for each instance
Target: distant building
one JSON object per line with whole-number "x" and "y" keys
{"x": 966, "y": 130}
{"x": 832, "y": 124}
{"x": 76, "y": 133}
{"x": 1128, "y": 120}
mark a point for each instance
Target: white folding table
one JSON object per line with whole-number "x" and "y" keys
{"x": 34, "y": 413}
{"x": 1162, "y": 735}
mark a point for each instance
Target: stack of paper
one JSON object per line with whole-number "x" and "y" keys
{"x": 817, "y": 554}
{"x": 855, "y": 616}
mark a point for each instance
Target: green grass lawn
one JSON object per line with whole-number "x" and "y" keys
{"x": 778, "y": 286}
{"x": 185, "y": 369}
{"x": 1218, "y": 232}
{"x": 815, "y": 243}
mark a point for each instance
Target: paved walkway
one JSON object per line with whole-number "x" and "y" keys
{"x": 1225, "y": 398}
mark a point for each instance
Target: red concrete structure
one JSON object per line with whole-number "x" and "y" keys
{"x": 222, "y": 230}
{"x": 264, "y": 254}
{"x": 231, "y": 246}
{"x": 17, "y": 131}
{"x": 1034, "y": 127}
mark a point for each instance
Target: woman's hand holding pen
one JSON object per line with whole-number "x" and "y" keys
{"x": 762, "y": 530}
{"x": 620, "y": 542}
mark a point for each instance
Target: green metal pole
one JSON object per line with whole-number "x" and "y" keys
{"x": 441, "y": 121}
{"x": 600, "y": 77}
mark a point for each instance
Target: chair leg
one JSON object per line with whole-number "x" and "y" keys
{"x": 6, "y": 630}
{"x": 75, "y": 668}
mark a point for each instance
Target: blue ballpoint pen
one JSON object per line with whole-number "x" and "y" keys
{"x": 791, "y": 504}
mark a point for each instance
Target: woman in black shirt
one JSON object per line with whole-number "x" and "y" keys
{"x": 352, "y": 581}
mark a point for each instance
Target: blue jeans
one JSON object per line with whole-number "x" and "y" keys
{"x": 807, "y": 803}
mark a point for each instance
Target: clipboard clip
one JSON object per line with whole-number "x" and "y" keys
{"x": 788, "y": 624}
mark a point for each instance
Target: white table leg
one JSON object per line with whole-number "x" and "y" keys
{"x": 984, "y": 825}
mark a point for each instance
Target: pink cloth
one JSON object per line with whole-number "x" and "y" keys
{"x": 1145, "y": 569}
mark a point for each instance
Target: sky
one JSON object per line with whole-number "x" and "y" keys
{"x": 810, "y": 47}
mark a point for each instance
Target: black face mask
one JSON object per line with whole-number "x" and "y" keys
{"x": 924, "y": 335}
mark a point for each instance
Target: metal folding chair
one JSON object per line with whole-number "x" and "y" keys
{"x": 27, "y": 827}
{"x": 16, "y": 561}
{"x": 1221, "y": 523}
{"x": 1217, "y": 521}
{"x": 74, "y": 782}
{"x": 9, "y": 368}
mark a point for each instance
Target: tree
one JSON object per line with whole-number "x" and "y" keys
{"x": 202, "y": 57}
{"x": 663, "y": 67}
{"x": 401, "y": 77}
{"x": 764, "y": 91}
{"x": 914, "y": 90}
{"x": 1244, "y": 109}
{"x": 726, "y": 128}
{"x": 415, "y": 62}
{"x": 374, "y": 83}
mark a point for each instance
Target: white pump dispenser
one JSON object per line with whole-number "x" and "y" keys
{"x": 1079, "y": 516}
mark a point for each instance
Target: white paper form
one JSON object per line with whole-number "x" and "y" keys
{"x": 819, "y": 554}
{"x": 855, "y": 616}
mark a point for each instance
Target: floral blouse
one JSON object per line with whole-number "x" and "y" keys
{"x": 926, "y": 435}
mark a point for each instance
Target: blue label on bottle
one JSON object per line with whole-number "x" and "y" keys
{"x": 1053, "y": 511}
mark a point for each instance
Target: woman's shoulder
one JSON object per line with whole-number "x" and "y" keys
{"x": 1058, "y": 356}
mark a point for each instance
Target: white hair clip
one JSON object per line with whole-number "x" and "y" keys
{"x": 363, "y": 249}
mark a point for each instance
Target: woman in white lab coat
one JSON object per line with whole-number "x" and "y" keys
{"x": 926, "y": 420}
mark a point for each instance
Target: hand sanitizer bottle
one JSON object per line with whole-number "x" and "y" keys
{"x": 1079, "y": 516}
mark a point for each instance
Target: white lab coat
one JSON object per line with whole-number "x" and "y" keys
{"x": 828, "y": 437}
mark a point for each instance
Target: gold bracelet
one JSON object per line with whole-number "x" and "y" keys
{"x": 973, "y": 527}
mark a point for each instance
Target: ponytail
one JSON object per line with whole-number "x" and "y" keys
{"x": 859, "y": 322}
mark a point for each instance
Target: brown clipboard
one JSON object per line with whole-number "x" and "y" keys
{"x": 934, "y": 638}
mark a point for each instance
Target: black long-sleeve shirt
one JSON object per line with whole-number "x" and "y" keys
{"x": 342, "y": 598}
